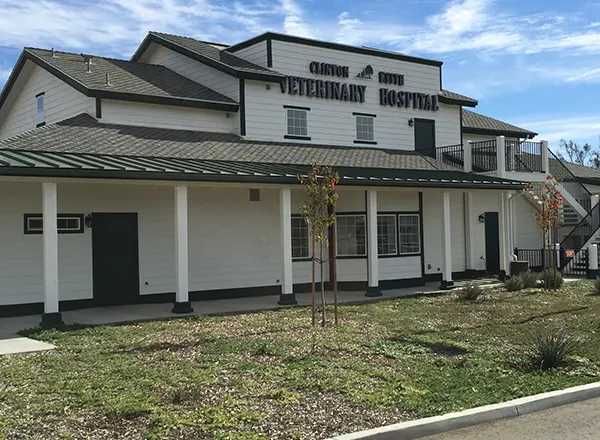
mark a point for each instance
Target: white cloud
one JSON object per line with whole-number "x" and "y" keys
{"x": 293, "y": 22}
{"x": 4, "y": 74}
{"x": 580, "y": 129}
{"x": 590, "y": 76}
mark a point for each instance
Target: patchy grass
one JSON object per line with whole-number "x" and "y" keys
{"x": 272, "y": 376}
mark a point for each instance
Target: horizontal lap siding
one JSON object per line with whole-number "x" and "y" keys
{"x": 154, "y": 115}
{"x": 233, "y": 244}
{"x": 483, "y": 201}
{"x": 528, "y": 232}
{"x": 256, "y": 54}
{"x": 331, "y": 121}
{"x": 61, "y": 101}
{"x": 457, "y": 225}
{"x": 194, "y": 70}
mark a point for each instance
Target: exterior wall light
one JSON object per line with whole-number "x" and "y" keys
{"x": 481, "y": 218}
{"x": 88, "y": 220}
{"x": 268, "y": 87}
{"x": 411, "y": 122}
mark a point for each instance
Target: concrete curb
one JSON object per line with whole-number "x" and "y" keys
{"x": 448, "y": 422}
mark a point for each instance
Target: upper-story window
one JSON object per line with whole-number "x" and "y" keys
{"x": 365, "y": 128}
{"x": 297, "y": 122}
{"x": 40, "y": 120}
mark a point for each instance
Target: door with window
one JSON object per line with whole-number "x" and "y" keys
{"x": 425, "y": 136}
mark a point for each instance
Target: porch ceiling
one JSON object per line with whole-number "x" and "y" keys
{"x": 56, "y": 164}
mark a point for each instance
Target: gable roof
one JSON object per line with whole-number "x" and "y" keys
{"x": 128, "y": 81}
{"x": 269, "y": 36}
{"x": 449, "y": 97}
{"x": 476, "y": 123}
{"x": 84, "y": 147}
{"x": 209, "y": 54}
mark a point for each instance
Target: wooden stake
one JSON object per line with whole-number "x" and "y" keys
{"x": 314, "y": 313}
{"x": 334, "y": 262}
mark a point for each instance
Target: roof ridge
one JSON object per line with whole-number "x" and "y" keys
{"x": 99, "y": 57}
{"x": 190, "y": 38}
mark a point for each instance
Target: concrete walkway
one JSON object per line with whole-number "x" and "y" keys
{"x": 578, "y": 421}
{"x": 11, "y": 343}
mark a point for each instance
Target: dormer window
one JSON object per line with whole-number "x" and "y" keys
{"x": 40, "y": 119}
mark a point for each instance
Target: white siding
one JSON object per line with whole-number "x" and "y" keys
{"x": 483, "y": 201}
{"x": 61, "y": 101}
{"x": 201, "y": 73}
{"x": 331, "y": 121}
{"x": 233, "y": 242}
{"x": 256, "y": 54}
{"x": 528, "y": 234}
{"x": 165, "y": 116}
{"x": 457, "y": 225}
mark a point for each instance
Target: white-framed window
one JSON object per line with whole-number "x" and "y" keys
{"x": 351, "y": 235}
{"x": 40, "y": 108}
{"x": 297, "y": 122}
{"x": 300, "y": 238}
{"x": 365, "y": 128}
{"x": 409, "y": 235}
{"x": 66, "y": 223}
{"x": 387, "y": 239}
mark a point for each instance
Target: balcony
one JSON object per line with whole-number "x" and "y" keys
{"x": 520, "y": 160}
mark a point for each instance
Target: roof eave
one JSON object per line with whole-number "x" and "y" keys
{"x": 172, "y": 176}
{"x": 455, "y": 101}
{"x": 237, "y": 73}
{"x": 494, "y": 132}
{"x": 329, "y": 45}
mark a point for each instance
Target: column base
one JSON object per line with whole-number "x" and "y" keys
{"x": 373, "y": 292}
{"x": 447, "y": 285}
{"x": 287, "y": 299}
{"x": 592, "y": 274}
{"x": 182, "y": 307}
{"x": 502, "y": 275}
{"x": 52, "y": 320}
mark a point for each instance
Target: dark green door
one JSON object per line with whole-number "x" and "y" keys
{"x": 115, "y": 258}
{"x": 425, "y": 136}
{"x": 492, "y": 243}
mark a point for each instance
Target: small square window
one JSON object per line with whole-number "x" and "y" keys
{"x": 365, "y": 128}
{"x": 409, "y": 234}
{"x": 66, "y": 223}
{"x": 297, "y": 122}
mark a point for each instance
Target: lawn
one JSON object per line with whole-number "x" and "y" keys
{"x": 271, "y": 376}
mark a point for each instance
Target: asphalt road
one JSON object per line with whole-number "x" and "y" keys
{"x": 579, "y": 421}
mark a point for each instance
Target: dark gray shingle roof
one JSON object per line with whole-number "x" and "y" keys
{"x": 476, "y": 123}
{"x": 84, "y": 134}
{"x": 210, "y": 51}
{"x": 127, "y": 76}
{"x": 457, "y": 98}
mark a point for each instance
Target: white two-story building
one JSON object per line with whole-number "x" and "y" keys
{"x": 173, "y": 176}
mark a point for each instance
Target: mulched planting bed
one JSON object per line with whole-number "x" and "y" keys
{"x": 272, "y": 376}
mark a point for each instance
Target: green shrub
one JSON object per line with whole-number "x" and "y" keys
{"x": 550, "y": 348}
{"x": 553, "y": 278}
{"x": 514, "y": 283}
{"x": 597, "y": 286}
{"x": 530, "y": 279}
{"x": 470, "y": 292}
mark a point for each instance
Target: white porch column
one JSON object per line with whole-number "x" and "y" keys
{"x": 182, "y": 295}
{"x": 503, "y": 231}
{"x": 287, "y": 296}
{"x": 469, "y": 231}
{"x": 447, "y": 282}
{"x": 501, "y": 156}
{"x": 594, "y": 201}
{"x": 468, "y": 157}
{"x": 52, "y": 316}
{"x": 545, "y": 157}
{"x": 592, "y": 272}
{"x": 372, "y": 255}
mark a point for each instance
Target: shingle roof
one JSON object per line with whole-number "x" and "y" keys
{"x": 127, "y": 76}
{"x": 84, "y": 134}
{"x": 475, "y": 123}
{"x": 456, "y": 98}
{"x": 208, "y": 53}
{"x": 581, "y": 171}
{"x": 82, "y": 146}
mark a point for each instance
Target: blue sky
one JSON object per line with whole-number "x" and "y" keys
{"x": 534, "y": 63}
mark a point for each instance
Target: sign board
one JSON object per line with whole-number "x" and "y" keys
{"x": 570, "y": 253}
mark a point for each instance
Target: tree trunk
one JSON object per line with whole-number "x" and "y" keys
{"x": 322, "y": 291}
{"x": 314, "y": 312}
{"x": 334, "y": 271}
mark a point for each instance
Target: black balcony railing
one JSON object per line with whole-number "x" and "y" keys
{"x": 524, "y": 156}
{"x": 452, "y": 155}
{"x": 484, "y": 157}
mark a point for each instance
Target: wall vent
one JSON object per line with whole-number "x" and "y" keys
{"x": 254, "y": 195}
